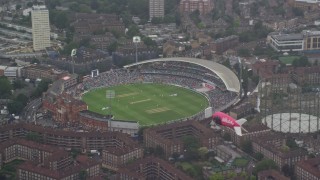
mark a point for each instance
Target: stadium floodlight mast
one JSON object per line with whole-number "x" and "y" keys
{"x": 73, "y": 53}
{"x": 136, "y": 40}
{"x": 240, "y": 65}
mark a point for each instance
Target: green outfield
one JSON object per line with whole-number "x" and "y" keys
{"x": 146, "y": 103}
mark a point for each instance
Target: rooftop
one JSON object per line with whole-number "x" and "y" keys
{"x": 228, "y": 77}
{"x": 95, "y": 116}
{"x": 288, "y": 37}
{"x": 266, "y": 174}
{"x": 141, "y": 164}
{"x": 311, "y": 165}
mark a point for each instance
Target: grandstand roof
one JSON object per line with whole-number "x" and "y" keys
{"x": 228, "y": 77}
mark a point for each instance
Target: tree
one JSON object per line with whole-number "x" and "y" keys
{"x": 85, "y": 42}
{"x": 246, "y": 146}
{"x": 291, "y": 143}
{"x": 18, "y": 84}
{"x": 195, "y": 17}
{"x": 29, "y": 4}
{"x": 94, "y": 4}
{"x": 22, "y": 98}
{"x": 5, "y": 88}
{"x": 18, "y": 6}
{"x": 175, "y": 156}
{"x": 202, "y": 151}
{"x": 61, "y": 20}
{"x": 258, "y": 156}
{"x": 15, "y": 107}
{"x": 264, "y": 165}
{"x": 216, "y": 176}
{"x": 34, "y": 136}
{"x": 177, "y": 19}
{"x": 243, "y": 52}
{"x": 138, "y": 8}
{"x": 191, "y": 146}
{"x": 190, "y": 143}
{"x": 68, "y": 48}
{"x": 149, "y": 42}
{"x": 279, "y": 10}
{"x": 51, "y": 4}
{"x": 301, "y": 62}
{"x": 297, "y": 11}
{"x": 158, "y": 151}
{"x": 254, "y": 10}
{"x": 231, "y": 175}
{"x": 35, "y": 61}
{"x": 133, "y": 31}
{"x": 157, "y": 20}
{"x": 42, "y": 87}
{"x": 112, "y": 47}
{"x": 83, "y": 8}
{"x": 83, "y": 175}
{"x": 75, "y": 152}
{"x": 287, "y": 170}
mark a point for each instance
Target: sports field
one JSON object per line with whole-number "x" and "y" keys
{"x": 288, "y": 59}
{"x": 146, "y": 103}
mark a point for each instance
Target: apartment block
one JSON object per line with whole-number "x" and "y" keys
{"x": 151, "y": 168}
{"x": 272, "y": 147}
{"x": 203, "y": 6}
{"x": 169, "y": 137}
{"x": 308, "y": 169}
{"x": 113, "y": 158}
{"x": 156, "y": 9}
{"x": 40, "y": 72}
{"x": 45, "y": 161}
{"x": 84, "y": 141}
{"x": 40, "y": 27}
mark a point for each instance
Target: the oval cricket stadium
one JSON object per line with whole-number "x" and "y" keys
{"x": 162, "y": 90}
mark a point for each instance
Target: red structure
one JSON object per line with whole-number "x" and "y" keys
{"x": 64, "y": 108}
{"x": 223, "y": 119}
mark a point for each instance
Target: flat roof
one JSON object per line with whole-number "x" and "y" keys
{"x": 228, "y": 77}
{"x": 288, "y": 37}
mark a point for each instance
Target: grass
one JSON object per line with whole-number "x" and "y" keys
{"x": 192, "y": 169}
{"x": 147, "y": 103}
{"x": 287, "y": 59}
{"x": 240, "y": 162}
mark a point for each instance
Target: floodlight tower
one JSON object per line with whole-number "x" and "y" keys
{"x": 136, "y": 40}
{"x": 73, "y": 53}
{"x": 240, "y": 76}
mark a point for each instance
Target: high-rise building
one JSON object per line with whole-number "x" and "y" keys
{"x": 40, "y": 27}
{"x": 156, "y": 9}
{"x": 188, "y": 6}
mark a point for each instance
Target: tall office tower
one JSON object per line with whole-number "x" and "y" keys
{"x": 156, "y": 8}
{"x": 40, "y": 27}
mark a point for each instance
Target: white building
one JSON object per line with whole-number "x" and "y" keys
{"x": 12, "y": 72}
{"x": 287, "y": 42}
{"x": 40, "y": 27}
{"x": 156, "y": 9}
{"x": 128, "y": 127}
{"x": 26, "y": 12}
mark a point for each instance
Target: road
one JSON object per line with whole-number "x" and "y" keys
{"x": 30, "y": 110}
